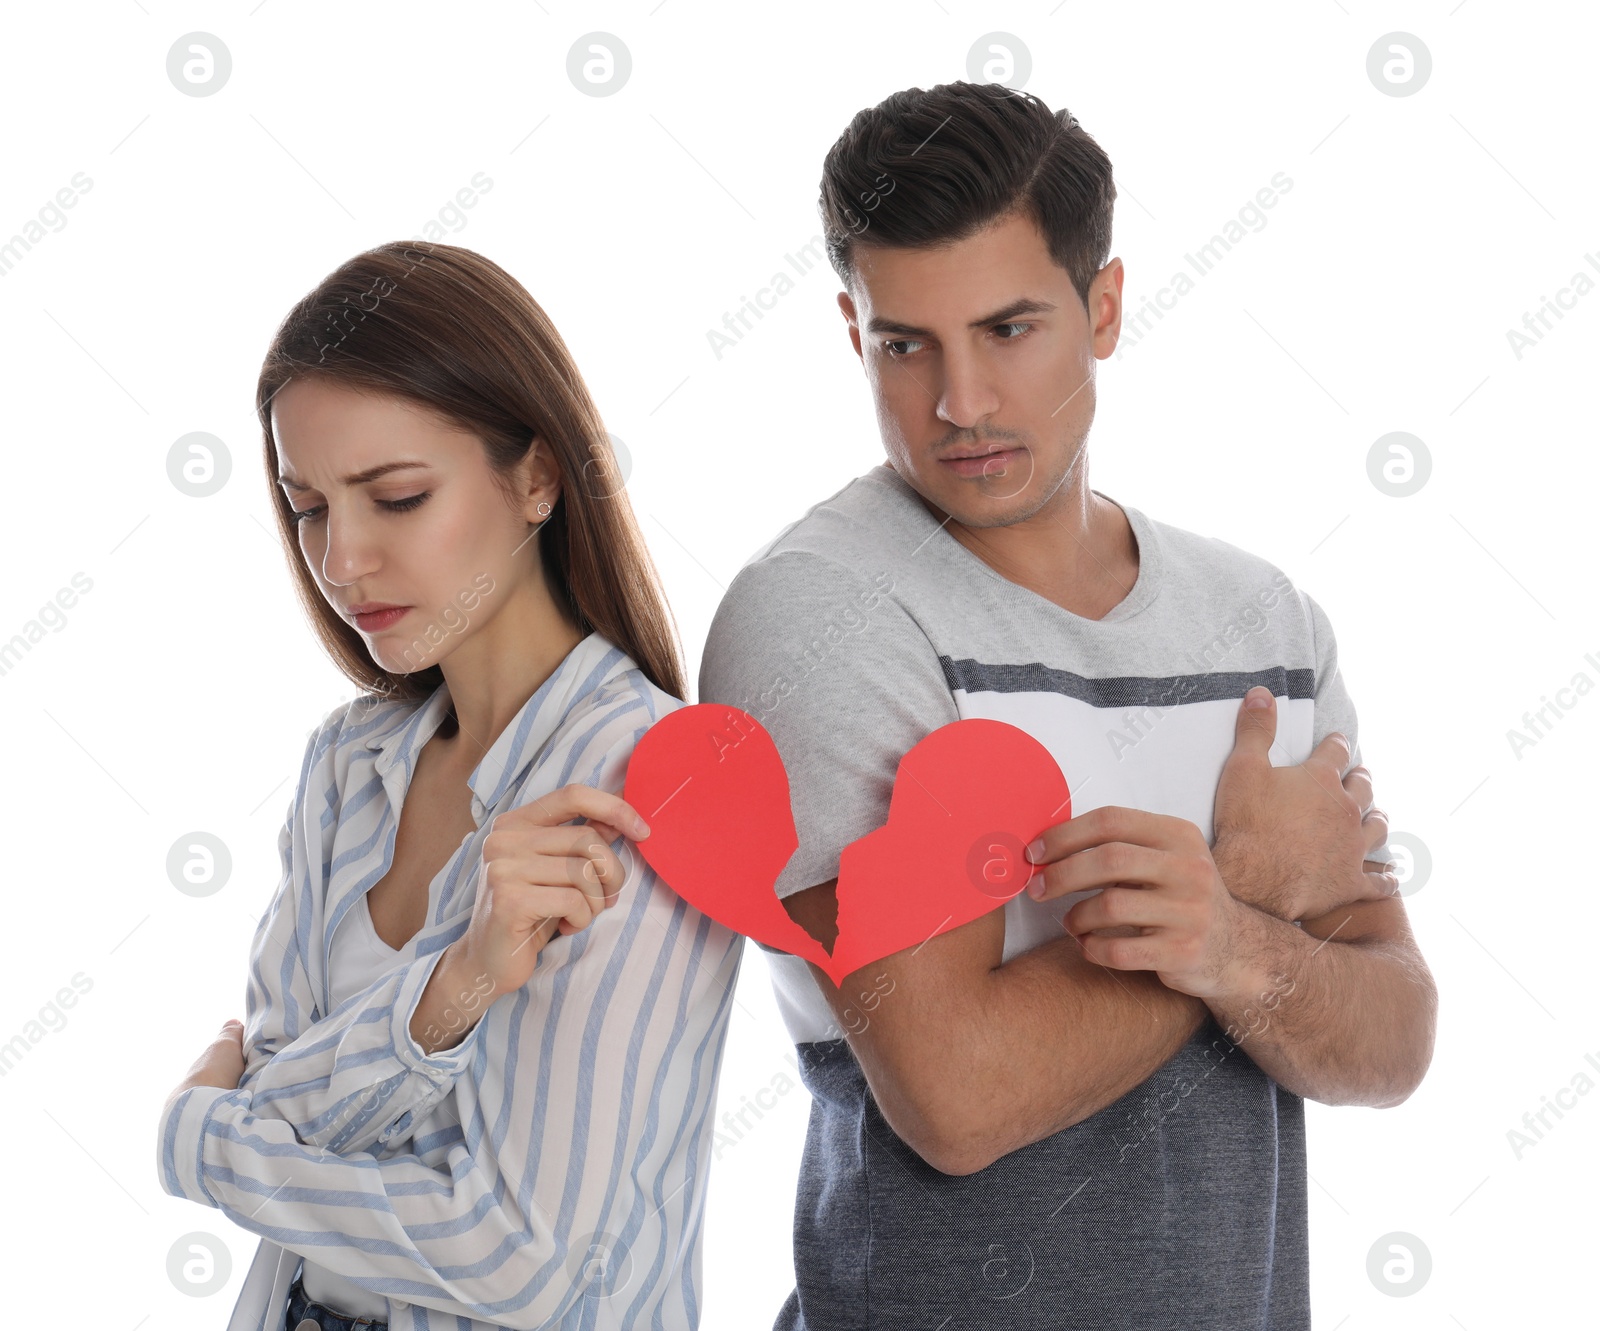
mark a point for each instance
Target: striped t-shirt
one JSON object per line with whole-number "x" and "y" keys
{"x": 859, "y": 629}
{"x": 550, "y": 1170}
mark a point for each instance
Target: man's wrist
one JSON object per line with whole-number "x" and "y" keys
{"x": 1250, "y": 877}
{"x": 1261, "y": 960}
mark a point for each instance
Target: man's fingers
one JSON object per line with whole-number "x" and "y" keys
{"x": 1119, "y": 907}
{"x": 1100, "y": 866}
{"x": 1334, "y": 751}
{"x": 1358, "y": 785}
{"x": 1375, "y": 827}
{"x": 1256, "y": 725}
{"x": 1381, "y": 880}
{"x": 1113, "y": 822}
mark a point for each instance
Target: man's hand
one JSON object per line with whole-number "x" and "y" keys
{"x": 1164, "y": 906}
{"x": 1292, "y": 841}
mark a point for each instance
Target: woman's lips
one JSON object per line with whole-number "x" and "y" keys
{"x": 378, "y": 620}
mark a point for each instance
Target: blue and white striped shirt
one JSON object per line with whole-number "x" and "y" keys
{"x": 550, "y": 1170}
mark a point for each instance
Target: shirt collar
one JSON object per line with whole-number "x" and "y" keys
{"x": 582, "y": 670}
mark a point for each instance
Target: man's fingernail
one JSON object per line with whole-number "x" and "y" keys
{"x": 1035, "y": 850}
{"x": 641, "y": 829}
{"x": 1257, "y": 698}
{"x": 1036, "y": 887}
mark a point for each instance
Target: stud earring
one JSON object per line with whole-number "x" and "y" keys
{"x": 543, "y": 510}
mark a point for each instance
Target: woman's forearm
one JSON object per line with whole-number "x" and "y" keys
{"x": 457, "y": 995}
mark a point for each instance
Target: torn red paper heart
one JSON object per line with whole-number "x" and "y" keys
{"x": 967, "y": 798}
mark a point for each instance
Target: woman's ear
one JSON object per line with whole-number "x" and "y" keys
{"x": 542, "y": 480}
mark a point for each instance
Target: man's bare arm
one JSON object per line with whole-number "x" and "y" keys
{"x": 969, "y": 1058}
{"x": 1353, "y": 1006}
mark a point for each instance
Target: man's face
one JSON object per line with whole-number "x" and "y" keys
{"x": 981, "y": 358}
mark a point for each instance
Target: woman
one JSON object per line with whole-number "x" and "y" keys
{"x": 482, "y": 1038}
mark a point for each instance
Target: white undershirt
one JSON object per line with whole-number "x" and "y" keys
{"x": 359, "y": 957}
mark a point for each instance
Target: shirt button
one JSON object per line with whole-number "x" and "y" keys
{"x": 308, "y": 1324}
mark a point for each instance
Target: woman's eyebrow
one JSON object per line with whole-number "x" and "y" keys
{"x": 357, "y": 478}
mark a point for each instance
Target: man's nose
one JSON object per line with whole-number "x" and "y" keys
{"x": 967, "y": 395}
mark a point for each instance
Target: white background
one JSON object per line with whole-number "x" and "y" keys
{"x": 1377, "y": 298}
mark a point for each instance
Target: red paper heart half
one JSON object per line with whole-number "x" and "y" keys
{"x": 710, "y": 783}
{"x": 967, "y": 798}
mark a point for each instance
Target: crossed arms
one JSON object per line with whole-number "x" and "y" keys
{"x": 970, "y": 1058}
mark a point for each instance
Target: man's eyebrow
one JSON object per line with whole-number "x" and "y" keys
{"x": 360, "y": 477}
{"x": 1023, "y": 305}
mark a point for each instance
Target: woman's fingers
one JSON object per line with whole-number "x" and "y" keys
{"x": 545, "y": 873}
{"x": 578, "y": 801}
{"x": 578, "y": 856}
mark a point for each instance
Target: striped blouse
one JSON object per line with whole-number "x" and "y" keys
{"x": 550, "y": 1170}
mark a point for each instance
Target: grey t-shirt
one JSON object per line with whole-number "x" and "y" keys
{"x": 859, "y": 629}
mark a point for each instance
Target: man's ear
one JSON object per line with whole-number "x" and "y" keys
{"x": 847, "y": 307}
{"x": 1105, "y": 309}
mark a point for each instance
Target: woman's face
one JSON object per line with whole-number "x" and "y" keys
{"x": 397, "y": 508}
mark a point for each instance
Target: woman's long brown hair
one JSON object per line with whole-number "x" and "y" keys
{"x": 446, "y": 328}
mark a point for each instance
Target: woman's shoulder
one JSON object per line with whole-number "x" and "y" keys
{"x": 620, "y": 707}
{"x": 350, "y": 724}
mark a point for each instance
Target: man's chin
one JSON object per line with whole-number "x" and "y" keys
{"x": 991, "y": 501}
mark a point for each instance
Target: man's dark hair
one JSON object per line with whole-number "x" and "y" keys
{"x": 927, "y": 167}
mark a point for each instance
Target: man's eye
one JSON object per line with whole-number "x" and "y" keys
{"x": 1023, "y": 327}
{"x": 897, "y": 348}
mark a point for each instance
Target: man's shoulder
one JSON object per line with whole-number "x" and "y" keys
{"x": 844, "y": 545}
{"x": 859, "y": 521}
{"x": 1244, "y": 608}
{"x": 1194, "y": 557}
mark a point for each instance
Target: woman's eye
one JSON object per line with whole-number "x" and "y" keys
{"x": 392, "y": 505}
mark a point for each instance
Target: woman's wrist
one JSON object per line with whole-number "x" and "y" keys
{"x": 455, "y": 998}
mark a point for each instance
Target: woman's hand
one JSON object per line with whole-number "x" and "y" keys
{"x": 222, "y": 1064}
{"x": 540, "y": 878}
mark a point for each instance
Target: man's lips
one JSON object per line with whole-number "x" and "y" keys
{"x": 994, "y": 461}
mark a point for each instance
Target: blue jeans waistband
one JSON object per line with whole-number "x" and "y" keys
{"x": 301, "y": 1309}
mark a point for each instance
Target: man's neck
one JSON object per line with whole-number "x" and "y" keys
{"x": 1077, "y": 551}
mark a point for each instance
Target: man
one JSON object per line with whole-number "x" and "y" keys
{"x": 1016, "y": 1124}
